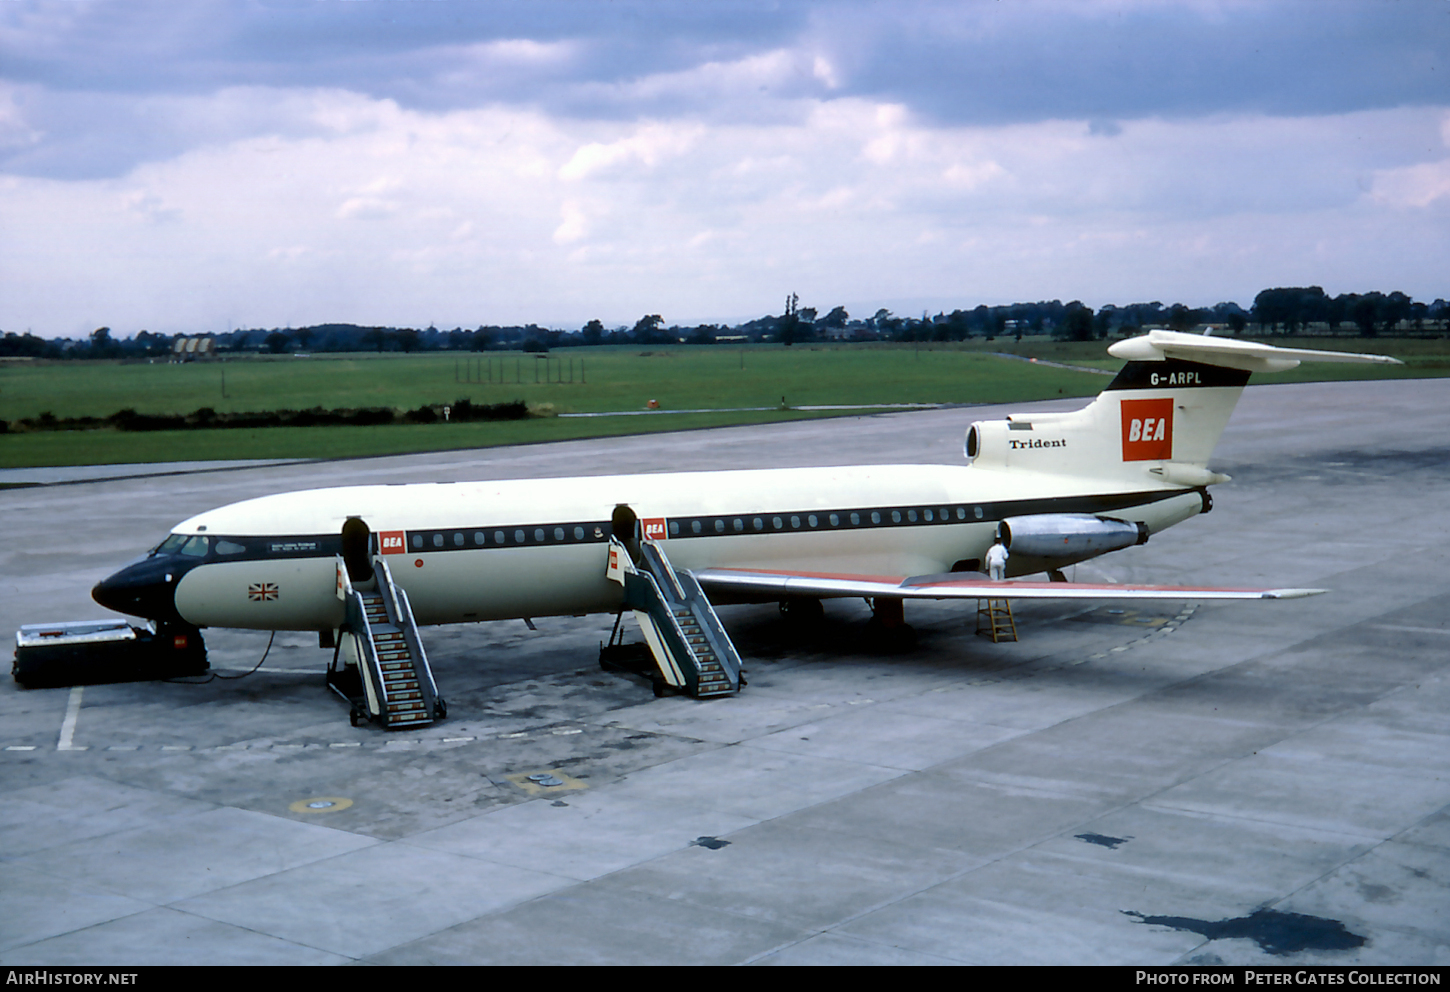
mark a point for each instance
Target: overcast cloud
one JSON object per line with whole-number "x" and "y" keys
{"x": 185, "y": 167}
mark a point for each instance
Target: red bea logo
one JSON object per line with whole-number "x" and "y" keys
{"x": 654, "y": 528}
{"x": 1147, "y": 429}
{"x": 391, "y": 542}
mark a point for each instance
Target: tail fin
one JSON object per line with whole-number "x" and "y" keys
{"x": 1158, "y": 420}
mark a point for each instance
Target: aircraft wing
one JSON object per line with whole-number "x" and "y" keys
{"x": 766, "y": 584}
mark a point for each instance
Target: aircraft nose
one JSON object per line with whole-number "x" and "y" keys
{"x": 144, "y": 589}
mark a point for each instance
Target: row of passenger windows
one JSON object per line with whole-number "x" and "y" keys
{"x": 572, "y": 533}
{"x": 446, "y": 539}
{"x": 198, "y": 546}
{"x": 815, "y": 521}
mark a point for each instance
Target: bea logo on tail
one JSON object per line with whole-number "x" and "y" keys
{"x": 1147, "y": 429}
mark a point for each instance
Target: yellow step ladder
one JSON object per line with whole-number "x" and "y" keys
{"x": 1000, "y": 624}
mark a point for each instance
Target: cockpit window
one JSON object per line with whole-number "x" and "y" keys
{"x": 171, "y": 545}
{"x": 225, "y": 547}
{"x": 195, "y": 548}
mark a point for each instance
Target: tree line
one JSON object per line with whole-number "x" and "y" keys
{"x": 1288, "y": 310}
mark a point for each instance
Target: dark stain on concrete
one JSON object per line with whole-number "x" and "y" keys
{"x": 1275, "y": 932}
{"x": 1103, "y": 840}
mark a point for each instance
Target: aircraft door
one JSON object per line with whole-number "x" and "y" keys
{"x": 357, "y": 549}
{"x": 624, "y": 525}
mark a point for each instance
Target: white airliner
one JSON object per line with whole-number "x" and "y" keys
{"x": 1059, "y": 488}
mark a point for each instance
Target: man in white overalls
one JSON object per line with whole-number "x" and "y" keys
{"x": 997, "y": 561}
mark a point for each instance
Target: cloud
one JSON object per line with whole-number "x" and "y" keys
{"x": 646, "y": 147}
{"x": 1003, "y": 63}
{"x": 1413, "y": 186}
{"x": 374, "y": 211}
{"x": 575, "y": 223}
{"x": 1418, "y": 185}
{"x": 367, "y": 208}
{"x": 555, "y": 161}
{"x": 15, "y": 131}
{"x": 104, "y": 86}
{"x": 153, "y": 208}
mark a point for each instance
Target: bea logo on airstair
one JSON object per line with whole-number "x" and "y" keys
{"x": 1147, "y": 429}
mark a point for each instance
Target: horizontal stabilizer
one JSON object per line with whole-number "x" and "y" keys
{"x": 764, "y": 585}
{"x": 1250, "y": 356}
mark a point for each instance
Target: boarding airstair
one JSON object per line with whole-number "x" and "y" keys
{"x": 397, "y": 685}
{"x": 693, "y": 653}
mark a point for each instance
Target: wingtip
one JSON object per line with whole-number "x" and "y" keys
{"x": 1292, "y": 593}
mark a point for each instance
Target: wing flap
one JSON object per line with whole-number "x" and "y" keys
{"x": 765, "y": 584}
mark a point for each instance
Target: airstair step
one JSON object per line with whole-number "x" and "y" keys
{"x": 397, "y": 683}
{"x": 692, "y": 643}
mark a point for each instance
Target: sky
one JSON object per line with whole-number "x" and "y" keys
{"x": 194, "y": 167}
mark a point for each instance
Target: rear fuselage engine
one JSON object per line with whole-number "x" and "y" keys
{"x": 1063, "y": 538}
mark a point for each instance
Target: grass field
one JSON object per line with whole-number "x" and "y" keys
{"x": 604, "y": 379}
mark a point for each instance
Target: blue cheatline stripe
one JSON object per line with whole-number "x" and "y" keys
{"x": 490, "y": 536}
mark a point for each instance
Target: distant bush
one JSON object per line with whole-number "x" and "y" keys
{"x": 467, "y": 411}
{"x": 206, "y": 418}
